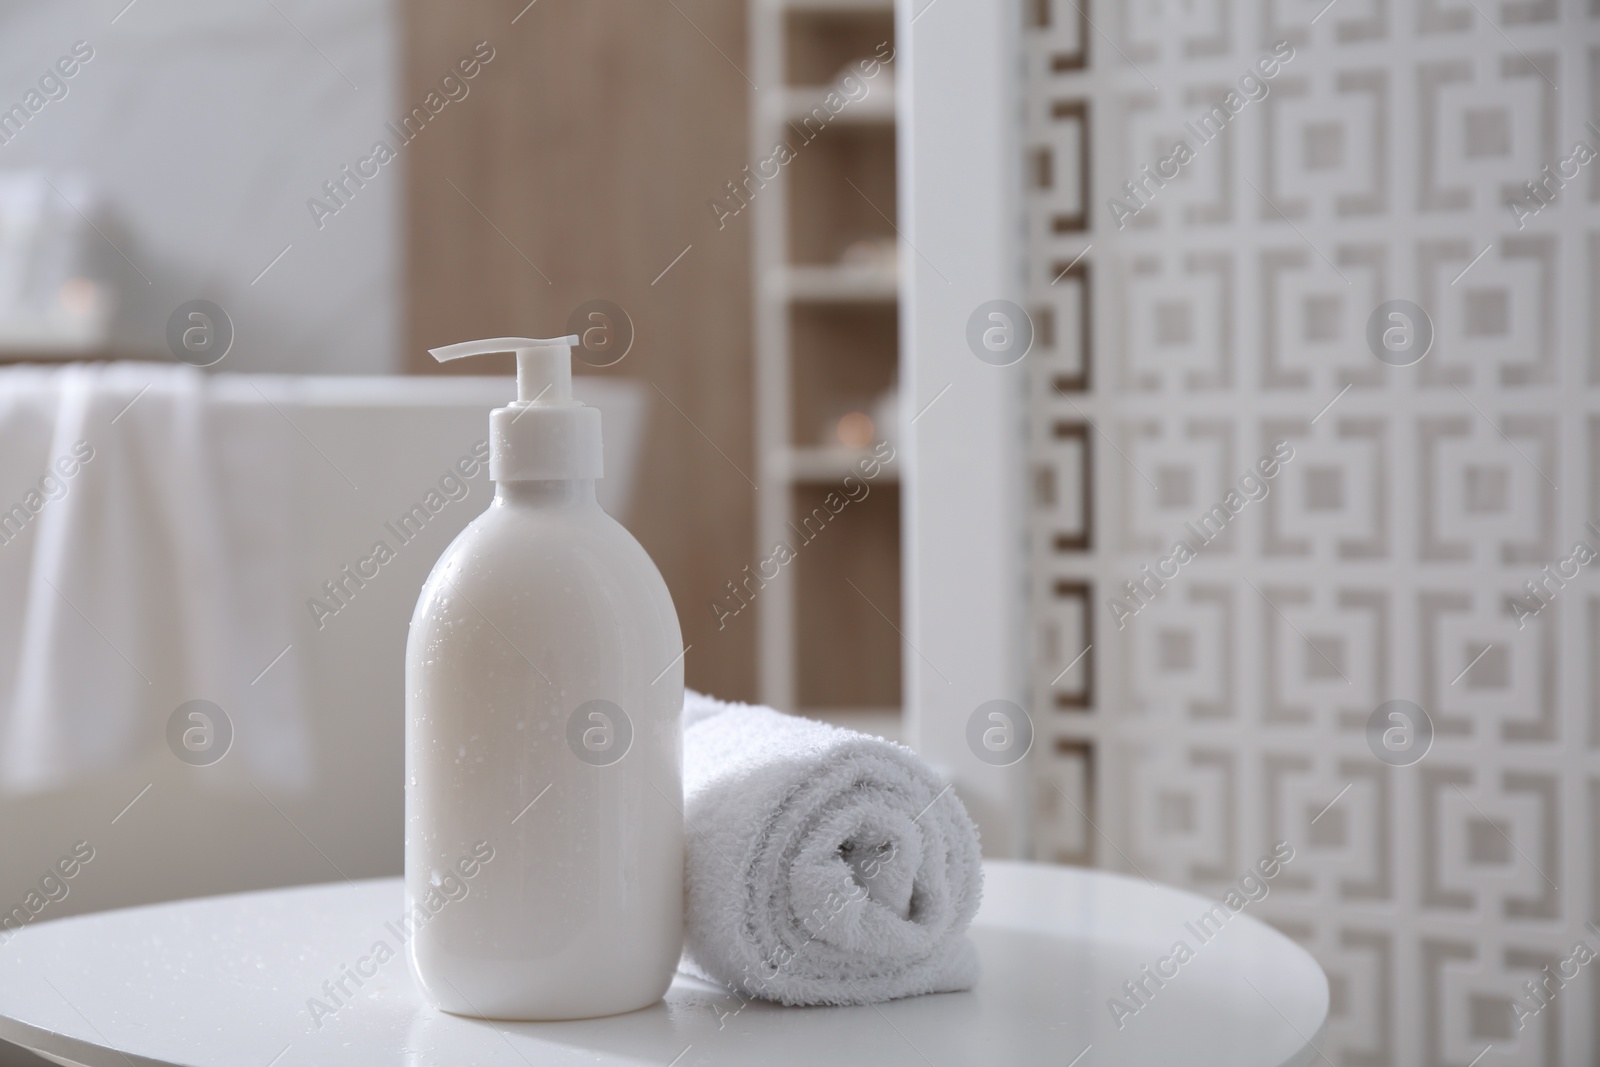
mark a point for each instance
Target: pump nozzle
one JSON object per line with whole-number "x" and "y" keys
{"x": 544, "y": 367}
{"x": 544, "y": 434}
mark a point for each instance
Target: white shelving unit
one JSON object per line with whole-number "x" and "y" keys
{"x": 795, "y": 46}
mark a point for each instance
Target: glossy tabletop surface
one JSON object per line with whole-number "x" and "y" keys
{"x": 237, "y": 980}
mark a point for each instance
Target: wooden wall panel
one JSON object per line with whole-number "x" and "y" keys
{"x": 582, "y": 160}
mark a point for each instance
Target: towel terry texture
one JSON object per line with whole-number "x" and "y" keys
{"x": 824, "y": 866}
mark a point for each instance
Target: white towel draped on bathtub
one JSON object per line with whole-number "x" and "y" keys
{"x": 144, "y": 552}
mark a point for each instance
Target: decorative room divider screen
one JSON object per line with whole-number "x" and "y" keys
{"x": 1315, "y": 417}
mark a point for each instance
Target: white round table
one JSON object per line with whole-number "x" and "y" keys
{"x": 227, "y": 980}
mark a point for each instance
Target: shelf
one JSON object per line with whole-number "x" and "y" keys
{"x": 827, "y": 342}
{"x": 824, "y": 464}
{"x": 876, "y": 108}
{"x": 834, "y": 285}
{"x": 875, "y": 7}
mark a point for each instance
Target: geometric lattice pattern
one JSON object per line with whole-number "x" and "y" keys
{"x": 1220, "y": 306}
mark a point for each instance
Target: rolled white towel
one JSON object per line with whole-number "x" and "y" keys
{"x": 824, "y": 866}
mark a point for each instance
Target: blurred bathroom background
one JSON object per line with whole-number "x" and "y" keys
{"x": 333, "y": 189}
{"x": 179, "y": 161}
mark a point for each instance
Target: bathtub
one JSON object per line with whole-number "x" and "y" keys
{"x": 156, "y": 832}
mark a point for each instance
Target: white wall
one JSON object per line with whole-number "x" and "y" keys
{"x": 961, "y": 480}
{"x": 208, "y": 126}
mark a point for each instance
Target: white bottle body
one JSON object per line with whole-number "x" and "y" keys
{"x": 541, "y": 608}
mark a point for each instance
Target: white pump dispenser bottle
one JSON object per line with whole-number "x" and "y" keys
{"x": 544, "y": 695}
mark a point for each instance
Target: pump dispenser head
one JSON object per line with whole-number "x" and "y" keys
{"x": 544, "y": 367}
{"x": 544, "y": 434}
